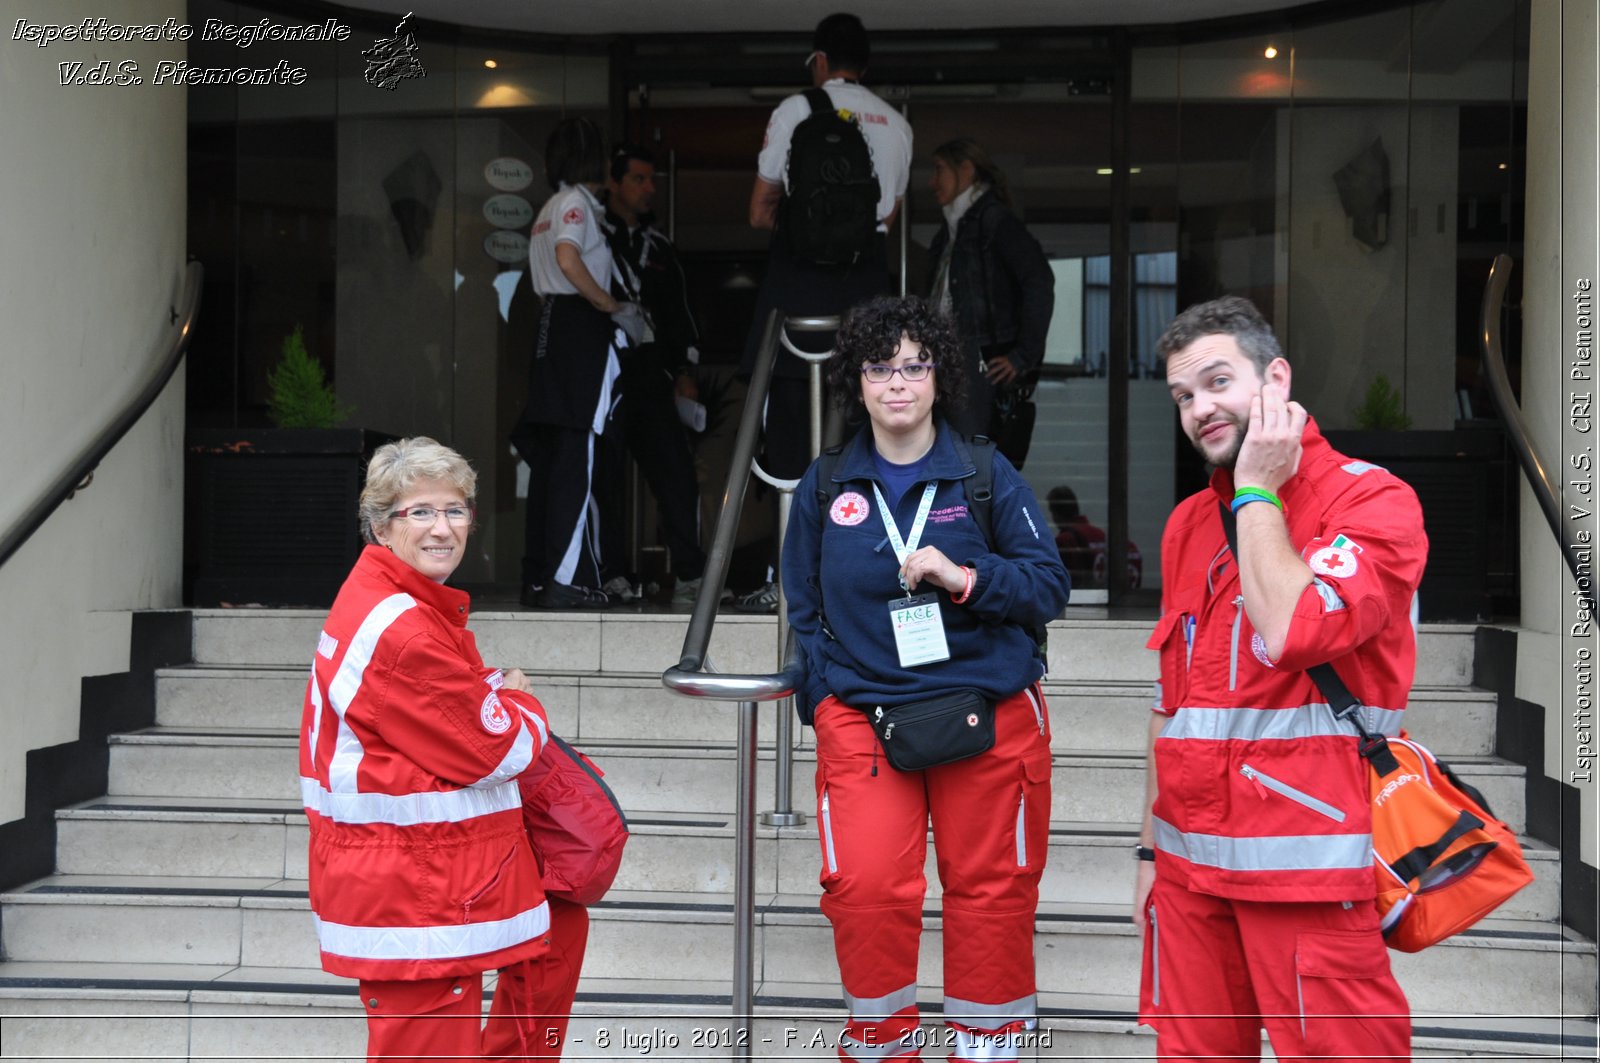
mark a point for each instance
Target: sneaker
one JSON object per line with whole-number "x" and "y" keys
{"x": 567, "y": 596}
{"x": 764, "y": 599}
{"x": 686, "y": 591}
{"x": 618, "y": 589}
{"x": 530, "y": 593}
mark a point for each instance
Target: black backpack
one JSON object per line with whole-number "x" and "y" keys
{"x": 830, "y": 213}
{"x": 979, "y": 488}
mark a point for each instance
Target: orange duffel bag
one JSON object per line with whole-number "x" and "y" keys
{"x": 1441, "y": 858}
{"x": 1443, "y": 861}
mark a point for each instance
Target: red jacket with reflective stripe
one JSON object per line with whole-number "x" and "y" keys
{"x": 409, "y": 753}
{"x": 1261, "y": 793}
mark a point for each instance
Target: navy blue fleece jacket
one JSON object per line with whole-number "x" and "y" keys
{"x": 840, "y": 563}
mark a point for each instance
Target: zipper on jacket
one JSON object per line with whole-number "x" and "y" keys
{"x": 1233, "y": 655}
{"x": 1155, "y": 957}
{"x": 466, "y": 905}
{"x": 1266, "y": 782}
{"x": 827, "y": 836}
{"x": 1038, "y": 712}
{"x": 1022, "y": 828}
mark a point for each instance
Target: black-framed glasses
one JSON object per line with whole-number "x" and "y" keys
{"x": 425, "y": 516}
{"x": 883, "y": 372}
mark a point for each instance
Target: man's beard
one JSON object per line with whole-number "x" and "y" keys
{"x": 1230, "y": 457}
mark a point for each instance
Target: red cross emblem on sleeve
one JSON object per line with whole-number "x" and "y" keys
{"x": 573, "y": 216}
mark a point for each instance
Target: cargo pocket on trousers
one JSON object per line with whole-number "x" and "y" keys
{"x": 1349, "y": 1002}
{"x": 1032, "y": 829}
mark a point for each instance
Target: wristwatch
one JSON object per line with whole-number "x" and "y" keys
{"x": 1141, "y": 853}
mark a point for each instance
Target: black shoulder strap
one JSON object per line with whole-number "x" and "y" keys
{"x": 980, "y": 485}
{"x": 820, "y": 101}
{"x": 1374, "y": 747}
{"x": 827, "y": 490}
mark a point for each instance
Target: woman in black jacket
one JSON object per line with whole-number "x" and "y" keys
{"x": 993, "y": 277}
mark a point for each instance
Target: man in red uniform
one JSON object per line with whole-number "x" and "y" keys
{"x": 1255, "y": 886}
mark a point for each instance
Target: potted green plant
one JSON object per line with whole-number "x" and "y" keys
{"x": 1457, "y": 474}
{"x": 270, "y": 513}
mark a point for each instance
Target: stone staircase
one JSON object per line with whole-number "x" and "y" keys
{"x": 177, "y": 925}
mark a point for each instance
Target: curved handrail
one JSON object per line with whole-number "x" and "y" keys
{"x": 81, "y": 470}
{"x": 1533, "y": 466}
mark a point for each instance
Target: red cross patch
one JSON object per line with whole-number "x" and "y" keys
{"x": 494, "y": 716}
{"x": 573, "y": 216}
{"x": 1338, "y": 562}
{"x": 849, "y": 509}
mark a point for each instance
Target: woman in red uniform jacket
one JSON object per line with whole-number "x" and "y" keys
{"x": 421, "y": 874}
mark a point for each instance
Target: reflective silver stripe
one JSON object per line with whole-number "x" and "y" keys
{"x": 1022, "y": 830}
{"x": 827, "y": 836}
{"x": 991, "y": 1016}
{"x": 1233, "y": 654}
{"x": 854, "y": 1049}
{"x": 1299, "y": 797}
{"x": 521, "y": 753}
{"x": 1289, "y": 852}
{"x": 985, "y": 1047}
{"x": 1155, "y": 958}
{"x": 432, "y": 942}
{"x": 407, "y": 810}
{"x": 877, "y": 1009}
{"x": 1038, "y": 711}
{"x": 347, "y": 751}
{"x": 1331, "y": 602}
{"x": 1315, "y": 720}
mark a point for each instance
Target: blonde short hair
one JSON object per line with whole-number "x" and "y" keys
{"x": 396, "y": 467}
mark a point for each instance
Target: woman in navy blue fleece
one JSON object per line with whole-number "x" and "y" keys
{"x": 899, "y": 517}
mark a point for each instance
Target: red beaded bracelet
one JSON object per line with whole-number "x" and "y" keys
{"x": 972, "y": 576}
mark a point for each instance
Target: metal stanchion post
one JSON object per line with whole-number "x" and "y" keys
{"x": 783, "y": 813}
{"x": 744, "y": 885}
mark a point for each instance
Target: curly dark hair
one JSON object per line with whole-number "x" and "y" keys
{"x": 872, "y": 332}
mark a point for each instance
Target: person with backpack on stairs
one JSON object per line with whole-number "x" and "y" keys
{"x": 829, "y": 181}
{"x": 916, "y": 597}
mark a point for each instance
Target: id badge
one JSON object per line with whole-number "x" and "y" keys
{"x": 918, "y": 630}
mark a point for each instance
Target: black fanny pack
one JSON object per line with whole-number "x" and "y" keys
{"x": 940, "y": 730}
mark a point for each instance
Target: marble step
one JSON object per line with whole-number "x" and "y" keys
{"x": 648, "y": 777}
{"x": 1087, "y": 863}
{"x": 199, "y": 1012}
{"x": 1085, "y": 646}
{"x": 1501, "y": 967}
{"x": 1452, "y": 721}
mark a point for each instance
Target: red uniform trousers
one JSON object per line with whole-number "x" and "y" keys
{"x": 442, "y": 1018}
{"x": 1315, "y": 975}
{"x": 991, "y": 826}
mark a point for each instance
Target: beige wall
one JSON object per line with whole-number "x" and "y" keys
{"x": 1562, "y": 251}
{"x": 93, "y": 255}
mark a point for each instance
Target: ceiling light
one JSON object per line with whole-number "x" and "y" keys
{"x": 1271, "y": 52}
{"x": 490, "y": 63}
{"x": 1105, "y": 171}
{"x": 1503, "y": 166}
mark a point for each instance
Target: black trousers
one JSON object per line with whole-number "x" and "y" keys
{"x": 561, "y": 536}
{"x": 646, "y": 425}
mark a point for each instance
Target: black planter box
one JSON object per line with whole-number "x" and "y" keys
{"x": 1459, "y": 477}
{"x": 270, "y": 513}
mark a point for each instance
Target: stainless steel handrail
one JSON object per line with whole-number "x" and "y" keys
{"x": 694, "y": 676}
{"x": 1533, "y": 466}
{"x": 80, "y": 472}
